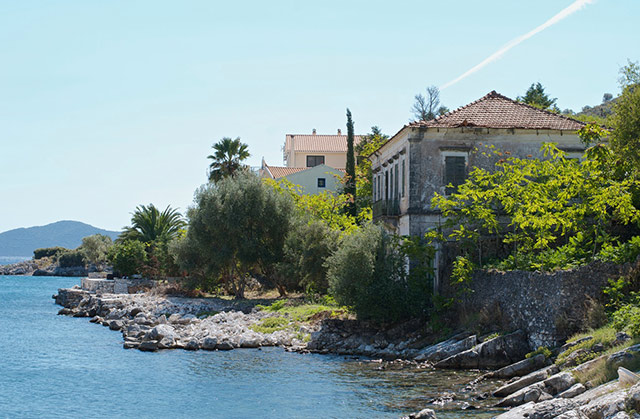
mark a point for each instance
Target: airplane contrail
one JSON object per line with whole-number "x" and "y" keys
{"x": 569, "y": 10}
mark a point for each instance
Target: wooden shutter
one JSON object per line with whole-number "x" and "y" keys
{"x": 455, "y": 172}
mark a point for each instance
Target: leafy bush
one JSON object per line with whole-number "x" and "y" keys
{"x": 560, "y": 212}
{"x": 306, "y": 248}
{"x": 621, "y": 253}
{"x": 72, "y": 258}
{"x": 627, "y": 318}
{"x": 48, "y": 252}
{"x": 541, "y": 350}
{"x": 128, "y": 257}
{"x": 368, "y": 272}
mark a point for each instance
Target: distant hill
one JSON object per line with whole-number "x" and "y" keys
{"x": 69, "y": 234}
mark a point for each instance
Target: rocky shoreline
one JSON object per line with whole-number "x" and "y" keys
{"x": 530, "y": 387}
{"x": 42, "y": 267}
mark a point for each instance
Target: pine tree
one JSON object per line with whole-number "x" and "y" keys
{"x": 350, "y": 183}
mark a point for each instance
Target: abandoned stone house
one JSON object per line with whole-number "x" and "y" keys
{"x": 425, "y": 157}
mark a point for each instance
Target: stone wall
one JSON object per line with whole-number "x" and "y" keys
{"x": 547, "y": 306}
{"x": 114, "y": 286}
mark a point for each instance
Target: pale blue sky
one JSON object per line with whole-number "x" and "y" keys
{"x": 105, "y": 105}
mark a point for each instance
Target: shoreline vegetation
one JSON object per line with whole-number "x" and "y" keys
{"x": 370, "y": 292}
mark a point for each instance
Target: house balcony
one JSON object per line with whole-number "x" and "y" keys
{"x": 386, "y": 208}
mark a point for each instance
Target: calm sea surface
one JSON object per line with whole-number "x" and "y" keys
{"x": 59, "y": 366}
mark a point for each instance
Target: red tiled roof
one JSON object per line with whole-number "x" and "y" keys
{"x": 497, "y": 111}
{"x": 279, "y": 172}
{"x": 319, "y": 143}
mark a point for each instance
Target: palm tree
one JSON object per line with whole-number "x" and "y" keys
{"x": 149, "y": 225}
{"x": 227, "y": 158}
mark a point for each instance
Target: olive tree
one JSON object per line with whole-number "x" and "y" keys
{"x": 237, "y": 228}
{"x": 96, "y": 248}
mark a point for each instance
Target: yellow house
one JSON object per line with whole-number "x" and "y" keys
{"x": 301, "y": 150}
{"x": 315, "y": 162}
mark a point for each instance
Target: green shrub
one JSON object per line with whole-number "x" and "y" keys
{"x": 71, "y": 258}
{"x": 621, "y": 253}
{"x": 128, "y": 257}
{"x": 48, "y": 252}
{"x": 541, "y": 350}
{"x": 306, "y": 249}
{"x": 270, "y": 325}
{"x": 627, "y": 318}
{"x": 368, "y": 272}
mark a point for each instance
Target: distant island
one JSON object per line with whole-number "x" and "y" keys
{"x": 67, "y": 234}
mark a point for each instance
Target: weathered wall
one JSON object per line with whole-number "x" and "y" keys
{"x": 547, "y": 306}
{"x": 113, "y": 286}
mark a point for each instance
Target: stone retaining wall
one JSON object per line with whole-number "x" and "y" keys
{"x": 114, "y": 286}
{"x": 548, "y": 306}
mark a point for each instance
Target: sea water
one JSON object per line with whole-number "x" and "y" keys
{"x": 59, "y": 367}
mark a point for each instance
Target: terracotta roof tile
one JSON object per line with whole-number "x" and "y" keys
{"x": 497, "y": 111}
{"x": 279, "y": 171}
{"x": 319, "y": 143}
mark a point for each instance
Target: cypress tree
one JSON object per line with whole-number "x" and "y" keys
{"x": 350, "y": 184}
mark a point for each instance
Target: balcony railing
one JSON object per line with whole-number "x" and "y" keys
{"x": 389, "y": 208}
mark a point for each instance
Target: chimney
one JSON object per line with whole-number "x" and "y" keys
{"x": 339, "y": 131}
{"x": 313, "y": 132}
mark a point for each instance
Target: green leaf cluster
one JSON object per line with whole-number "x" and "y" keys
{"x": 368, "y": 272}
{"x": 549, "y": 214}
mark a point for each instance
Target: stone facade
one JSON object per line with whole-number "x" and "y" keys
{"x": 549, "y": 307}
{"x": 424, "y": 157}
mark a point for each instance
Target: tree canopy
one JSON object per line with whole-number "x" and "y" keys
{"x": 536, "y": 96}
{"x": 148, "y": 224}
{"x": 227, "y": 158}
{"x": 237, "y": 228}
{"x": 625, "y": 122}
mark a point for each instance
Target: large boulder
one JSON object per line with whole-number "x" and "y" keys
{"x": 520, "y": 368}
{"x": 161, "y": 331}
{"x": 606, "y": 406}
{"x": 525, "y": 381}
{"x": 548, "y": 409}
{"x": 539, "y": 391}
{"x": 445, "y": 349}
{"x": 494, "y": 353}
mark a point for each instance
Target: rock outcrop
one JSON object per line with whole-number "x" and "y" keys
{"x": 494, "y": 353}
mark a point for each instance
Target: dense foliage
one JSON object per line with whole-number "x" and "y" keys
{"x": 549, "y": 214}
{"x": 368, "y": 272}
{"x": 365, "y": 148}
{"x": 72, "y": 258}
{"x": 155, "y": 230}
{"x": 128, "y": 257}
{"x": 306, "y": 248}
{"x": 237, "y": 228}
{"x": 48, "y": 252}
{"x": 96, "y": 248}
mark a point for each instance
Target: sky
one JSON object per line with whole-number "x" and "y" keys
{"x": 106, "y": 105}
